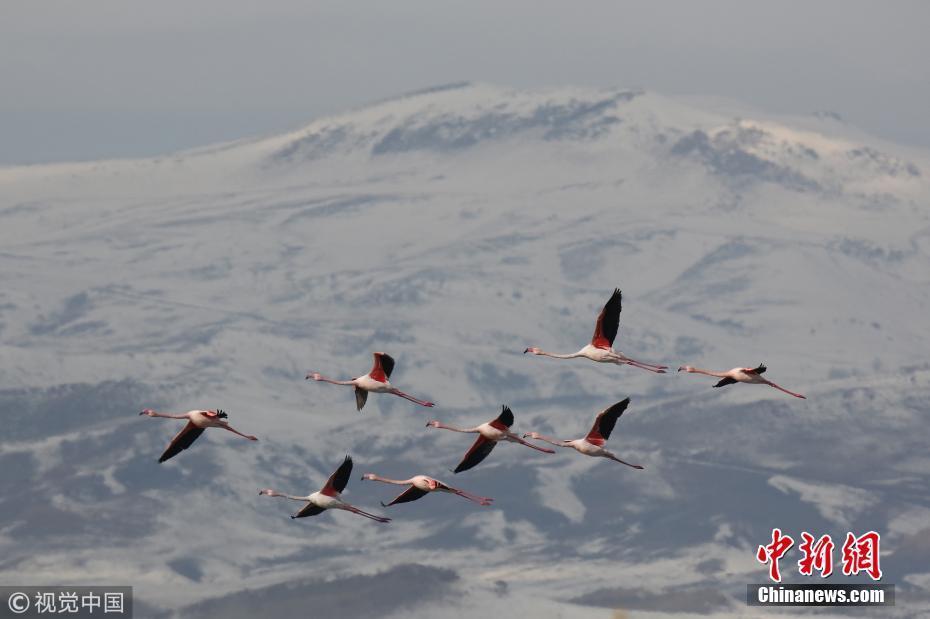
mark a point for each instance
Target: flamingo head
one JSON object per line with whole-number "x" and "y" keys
{"x": 268, "y": 492}
{"x": 148, "y": 411}
{"x": 432, "y": 423}
{"x": 314, "y": 376}
{"x": 686, "y": 368}
{"x": 370, "y": 476}
{"x": 533, "y": 350}
{"x": 531, "y": 435}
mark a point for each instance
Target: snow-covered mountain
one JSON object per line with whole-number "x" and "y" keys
{"x": 452, "y": 228}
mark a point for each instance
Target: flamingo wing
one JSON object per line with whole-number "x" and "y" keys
{"x": 604, "y": 423}
{"x": 504, "y": 420}
{"x": 410, "y": 494}
{"x": 384, "y": 365}
{"x": 726, "y": 381}
{"x": 759, "y": 370}
{"x": 310, "y": 509}
{"x": 184, "y": 439}
{"x": 338, "y": 480}
{"x": 608, "y": 322}
{"x": 361, "y": 396}
{"x": 478, "y": 452}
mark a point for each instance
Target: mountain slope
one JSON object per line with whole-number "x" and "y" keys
{"x": 453, "y": 228}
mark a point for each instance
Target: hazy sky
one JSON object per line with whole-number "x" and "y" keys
{"x": 85, "y": 80}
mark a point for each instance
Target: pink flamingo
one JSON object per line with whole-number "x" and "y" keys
{"x": 420, "y": 486}
{"x": 593, "y": 443}
{"x": 328, "y": 495}
{"x": 376, "y": 381}
{"x": 197, "y": 422}
{"x": 601, "y": 347}
{"x": 752, "y": 376}
{"x": 488, "y": 436}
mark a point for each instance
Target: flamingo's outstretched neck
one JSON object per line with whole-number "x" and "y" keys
{"x": 693, "y": 370}
{"x": 150, "y": 413}
{"x": 320, "y": 378}
{"x": 373, "y": 477}
{"x": 432, "y": 423}
{"x": 270, "y": 492}
{"x": 537, "y": 351}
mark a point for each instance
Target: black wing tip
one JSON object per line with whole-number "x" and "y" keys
{"x": 506, "y": 416}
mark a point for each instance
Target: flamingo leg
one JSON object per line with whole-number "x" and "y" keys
{"x": 484, "y": 502}
{"x": 360, "y": 512}
{"x": 481, "y": 500}
{"x": 641, "y": 366}
{"x": 620, "y": 358}
{"x": 552, "y": 441}
{"x": 616, "y": 459}
{"x": 797, "y": 395}
{"x": 406, "y": 396}
{"x": 234, "y": 431}
{"x": 514, "y": 438}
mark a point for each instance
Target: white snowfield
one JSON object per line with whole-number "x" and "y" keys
{"x": 453, "y": 228}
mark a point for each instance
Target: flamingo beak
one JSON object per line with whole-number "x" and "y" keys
{"x": 526, "y": 351}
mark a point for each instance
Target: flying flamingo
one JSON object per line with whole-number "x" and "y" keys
{"x": 601, "y": 347}
{"x": 375, "y": 381}
{"x": 593, "y": 443}
{"x": 488, "y": 436}
{"x": 420, "y": 486}
{"x": 197, "y": 422}
{"x": 328, "y": 496}
{"x": 753, "y": 376}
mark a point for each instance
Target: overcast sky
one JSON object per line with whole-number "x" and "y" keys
{"x": 106, "y": 78}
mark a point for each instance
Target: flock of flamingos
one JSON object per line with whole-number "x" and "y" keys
{"x": 377, "y": 380}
